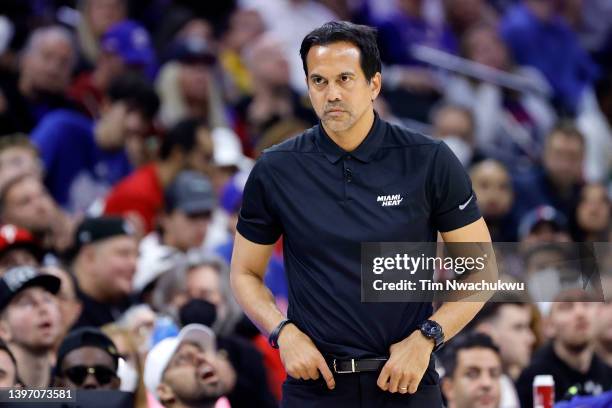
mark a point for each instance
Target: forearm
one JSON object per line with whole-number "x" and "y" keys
{"x": 256, "y": 300}
{"x": 453, "y": 316}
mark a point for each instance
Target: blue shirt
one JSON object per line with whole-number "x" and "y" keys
{"x": 325, "y": 202}
{"x": 77, "y": 171}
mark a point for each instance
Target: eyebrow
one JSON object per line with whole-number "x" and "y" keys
{"x": 348, "y": 73}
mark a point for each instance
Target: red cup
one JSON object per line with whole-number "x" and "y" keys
{"x": 543, "y": 391}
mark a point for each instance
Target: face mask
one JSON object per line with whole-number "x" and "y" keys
{"x": 128, "y": 375}
{"x": 462, "y": 150}
{"x": 544, "y": 285}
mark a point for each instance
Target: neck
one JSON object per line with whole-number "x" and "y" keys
{"x": 514, "y": 371}
{"x": 578, "y": 360}
{"x": 167, "y": 171}
{"x": 33, "y": 367}
{"x": 604, "y": 351}
{"x": 180, "y": 404}
{"x": 351, "y": 138}
{"x": 25, "y": 87}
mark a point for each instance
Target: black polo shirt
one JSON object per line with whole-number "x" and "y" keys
{"x": 397, "y": 186}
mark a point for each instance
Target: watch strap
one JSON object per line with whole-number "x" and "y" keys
{"x": 273, "y": 339}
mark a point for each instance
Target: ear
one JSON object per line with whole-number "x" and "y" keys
{"x": 5, "y": 331}
{"x": 375, "y": 85}
{"x": 447, "y": 388}
{"x": 165, "y": 394}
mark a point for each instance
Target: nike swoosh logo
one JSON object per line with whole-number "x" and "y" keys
{"x": 462, "y": 206}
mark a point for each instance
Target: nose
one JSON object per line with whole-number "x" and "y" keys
{"x": 333, "y": 92}
{"x": 90, "y": 382}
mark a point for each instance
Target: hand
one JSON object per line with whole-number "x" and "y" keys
{"x": 406, "y": 365}
{"x": 300, "y": 356}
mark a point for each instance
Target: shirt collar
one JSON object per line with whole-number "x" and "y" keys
{"x": 364, "y": 152}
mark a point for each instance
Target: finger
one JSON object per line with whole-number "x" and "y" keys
{"x": 383, "y": 378}
{"x": 313, "y": 372}
{"x": 326, "y": 373}
{"x": 402, "y": 388}
{"x": 414, "y": 384}
{"x": 396, "y": 376}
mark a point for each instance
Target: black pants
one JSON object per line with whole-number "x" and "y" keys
{"x": 359, "y": 390}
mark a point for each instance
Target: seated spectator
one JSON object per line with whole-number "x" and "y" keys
{"x": 187, "y": 371}
{"x": 44, "y": 76}
{"x": 190, "y": 201}
{"x": 8, "y": 367}
{"x": 124, "y": 47}
{"x": 543, "y": 224}
{"x": 30, "y": 322}
{"x": 462, "y": 15}
{"x": 18, "y": 248}
{"x": 139, "y": 321}
{"x": 455, "y": 125}
{"x": 25, "y": 203}
{"x": 87, "y": 359}
{"x": 273, "y": 101}
{"x": 510, "y": 125}
{"x": 472, "y": 369}
{"x": 69, "y": 304}
{"x": 18, "y": 155}
{"x": 592, "y": 218}
{"x": 537, "y": 37}
{"x": 558, "y": 180}
{"x": 569, "y": 357}
{"x": 104, "y": 263}
{"x": 83, "y": 159}
{"x": 493, "y": 187}
{"x": 188, "y": 145}
{"x": 603, "y": 324}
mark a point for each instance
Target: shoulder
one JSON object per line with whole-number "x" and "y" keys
{"x": 61, "y": 120}
{"x": 401, "y": 137}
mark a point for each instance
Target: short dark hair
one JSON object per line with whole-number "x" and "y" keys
{"x": 566, "y": 127}
{"x": 182, "y": 135}
{"x": 490, "y": 311}
{"x": 361, "y": 36}
{"x": 465, "y": 341}
{"x": 136, "y": 92}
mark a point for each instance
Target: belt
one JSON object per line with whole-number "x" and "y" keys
{"x": 357, "y": 366}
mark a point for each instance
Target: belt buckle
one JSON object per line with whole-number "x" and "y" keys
{"x": 352, "y": 370}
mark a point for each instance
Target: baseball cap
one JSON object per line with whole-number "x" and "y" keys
{"x": 160, "y": 355}
{"x": 130, "y": 41}
{"x": 91, "y": 230}
{"x": 539, "y": 215}
{"x": 19, "y": 278}
{"x": 83, "y": 337}
{"x": 191, "y": 50}
{"x": 190, "y": 192}
{"x": 227, "y": 148}
{"x": 12, "y": 237}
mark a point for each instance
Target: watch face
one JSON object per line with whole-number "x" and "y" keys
{"x": 432, "y": 329}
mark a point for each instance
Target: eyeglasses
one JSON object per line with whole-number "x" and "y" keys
{"x": 78, "y": 374}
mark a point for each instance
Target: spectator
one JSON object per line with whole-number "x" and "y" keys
{"x": 18, "y": 247}
{"x": 603, "y": 324}
{"x": 8, "y": 367}
{"x": 102, "y": 158}
{"x": 18, "y": 155}
{"x": 44, "y": 76}
{"x": 104, "y": 265}
{"x": 125, "y": 47}
{"x": 25, "y": 203}
{"x": 69, "y": 304}
{"x": 97, "y": 17}
{"x": 190, "y": 201}
{"x": 462, "y": 15}
{"x": 569, "y": 357}
{"x": 188, "y": 145}
{"x": 537, "y": 37}
{"x": 273, "y": 101}
{"x": 455, "y": 125}
{"x": 30, "y": 322}
{"x": 493, "y": 187}
{"x": 558, "y": 180}
{"x": 510, "y": 125}
{"x": 187, "y": 371}
{"x": 472, "y": 368}
{"x": 543, "y": 224}
{"x": 87, "y": 359}
{"x": 592, "y": 214}
{"x": 139, "y": 321}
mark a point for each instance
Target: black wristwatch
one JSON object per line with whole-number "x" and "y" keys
{"x": 432, "y": 330}
{"x": 273, "y": 339}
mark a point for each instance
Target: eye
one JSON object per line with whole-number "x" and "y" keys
{"x": 345, "y": 78}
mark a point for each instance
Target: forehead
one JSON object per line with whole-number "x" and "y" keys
{"x": 334, "y": 58}
{"x": 29, "y": 293}
{"x": 483, "y": 358}
{"x": 88, "y": 356}
{"x": 188, "y": 347}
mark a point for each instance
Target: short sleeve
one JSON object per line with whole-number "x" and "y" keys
{"x": 453, "y": 200}
{"x": 257, "y": 221}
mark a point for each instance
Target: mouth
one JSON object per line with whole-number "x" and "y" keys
{"x": 207, "y": 375}
{"x": 45, "y": 326}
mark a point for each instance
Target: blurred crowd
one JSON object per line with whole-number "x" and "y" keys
{"x": 128, "y": 129}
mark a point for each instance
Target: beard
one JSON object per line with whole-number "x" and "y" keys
{"x": 575, "y": 347}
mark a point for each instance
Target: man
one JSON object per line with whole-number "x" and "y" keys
{"x": 8, "y": 367}
{"x": 569, "y": 357}
{"x": 17, "y": 248}
{"x": 87, "y": 359}
{"x": 46, "y": 67}
{"x": 104, "y": 265}
{"x": 188, "y": 145}
{"x": 69, "y": 304}
{"x": 30, "y": 322}
{"x": 603, "y": 324}
{"x": 320, "y": 191}
{"x": 543, "y": 224}
{"x": 455, "y": 125}
{"x": 190, "y": 201}
{"x": 186, "y": 371}
{"x": 83, "y": 159}
{"x": 472, "y": 370}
